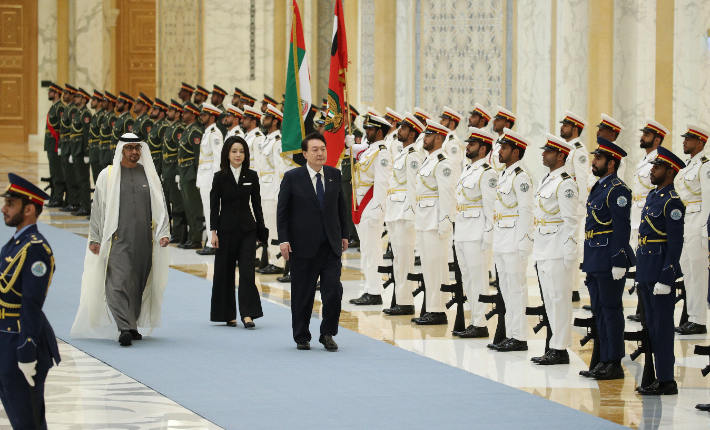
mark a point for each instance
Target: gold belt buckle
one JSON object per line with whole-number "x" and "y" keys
{"x": 497, "y": 217}
{"x": 588, "y": 234}
{"x": 643, "y": 240}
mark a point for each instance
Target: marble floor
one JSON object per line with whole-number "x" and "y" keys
{"x": 86, "y": 393}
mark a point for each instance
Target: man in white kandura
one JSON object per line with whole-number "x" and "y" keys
{"x": 210, "y": 159}
{"x": 555, "y": 248}
{"x": 126, "y": 263}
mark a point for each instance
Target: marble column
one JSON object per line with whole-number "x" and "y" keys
{"x": 404, "y": 73}
{"x": 691, "y": 83}
{"x": 47, "y": 58}
{"x": 179, "y": 46}
{"x": 86, "y": 48}
{"x": 533, "y": 80}
{"x": 634, "y": 74}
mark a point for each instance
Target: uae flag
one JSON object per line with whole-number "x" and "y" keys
{"x": 298, "y": 90}
{"x": 338, "y": 115}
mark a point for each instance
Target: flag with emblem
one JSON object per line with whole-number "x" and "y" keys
{"x": 337, "y": 104}
{"x": 298, "y": 89}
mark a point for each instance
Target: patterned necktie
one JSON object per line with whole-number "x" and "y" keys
{"x": 320, "y": 191}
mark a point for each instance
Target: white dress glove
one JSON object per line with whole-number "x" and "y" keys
{"x": 71, "y": 160}
{"x": 617, "y": 273}
{"x": 59, "y": 151}
{"x": 569, "y": 264}
{"x": 86, "y": 160}
{"x": 349, "y": 140}
{"x": 485, "y": 246}
{"x": 444, "y": 228}
{"x": 409, "y": 226}
{"x": 28, "y": 369}
{"x": 661, "y": 289}
{"x": 524, "y": 254}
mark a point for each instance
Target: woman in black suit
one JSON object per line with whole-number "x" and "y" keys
{"x": 234, "y": 235}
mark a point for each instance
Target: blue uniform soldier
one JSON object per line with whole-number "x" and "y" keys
{"x": 607, "y": 256}
{"x": 28, "y": 348}
{"x": 658, "y": 265}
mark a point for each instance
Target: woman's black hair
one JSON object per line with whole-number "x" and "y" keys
{"x": 224, "y": 165}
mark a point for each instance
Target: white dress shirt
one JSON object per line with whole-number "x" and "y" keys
{"x": 314, "y": 180}
{"x": 236, "y": 171}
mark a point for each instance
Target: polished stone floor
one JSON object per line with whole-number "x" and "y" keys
{"x": 85, "y": 393}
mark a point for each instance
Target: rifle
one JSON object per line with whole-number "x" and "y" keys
{"x": 389, "y": 270}
{"x": 541, "y": 311}
{"x": 457, "y": 297}
{"x": 419, "y": 278}
{"x": 591, "y": 325}
{"x": 498, "y": 309}
{"x": 644, "y": 340}
{"x": 682, "y": 295}
{"x": 703, "y": 350}
{"x": 49, "y": 183}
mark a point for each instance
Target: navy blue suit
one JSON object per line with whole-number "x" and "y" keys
{"x": 606, "y": 245}
{"x": 26, "y": 267}
{"x": 658, "y": 256}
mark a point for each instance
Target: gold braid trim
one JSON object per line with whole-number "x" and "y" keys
{"x": 20, "y": 260}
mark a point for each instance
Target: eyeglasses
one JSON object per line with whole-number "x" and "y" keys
{"x": 132, "y": 148}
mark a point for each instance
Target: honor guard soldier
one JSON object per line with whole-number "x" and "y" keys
{"x": 399, "y": 216}
{"x": 170, "y": 172}
{"x": 105, "y": 153}
{"x": 422, "y": 116}
{"x": 346, "y": 168}
{"x": 236, "y": 96}
{"x": 513, "y": 238}
{"x": 124, "y": 122}
{"x": 232, "y": 121}
{"x": 577, "y": 166}
{"x": 72, "y": 199}
{"x": 607, "y": 257}
{"x": 473, "y": 235}
{"x": 453, "y": 148}
{"x": 266, "y": 101}
{"x": 185, "y": 93}
{"x": 479, "y": 117}
{"x": 200, "y": 96}
{"x": 51, "y": 146}
{"x": 157, "y": 132}
{"x": 81, "y": 123}
{"x": 434, "y": 217}
{"x": 269, "y": 182}
{"x": 217, "y": 98}
{"x": 660, "y": 243}
{"x": 143, "y": 122}
{"x": 555, "y": 246}
{"x": 608, "y": 129}
{"x": 251, "y": 121}
{"x": 694, "y": 190}
{"x": 392, "y": 137}
{"x": 246, "y": 100}
{"x": 29, "y": 348}
{"x": 502, "y": 120}
{"x": 99, "y": 105}
{"x": 188, "y": 153}
{"x": 210, "y": 158}
{"x": 371, "y": 179}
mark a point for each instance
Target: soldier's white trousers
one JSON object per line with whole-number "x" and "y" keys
{"x": 205, "y": 197}
{"x": 268, "y": 207}
{"x": 694, "y": 264}
{"x": 435, "y": 267}
{"x": 403, "y": 249}
{"x": 557, "y": 294}
{"x": 513, "y": 286}
{"x": 474, "y": 273}
{"x": 371, "y": 254}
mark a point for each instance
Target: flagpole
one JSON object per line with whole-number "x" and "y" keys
{"x": 353, "y": 197}
{"x": 296, "y": 70}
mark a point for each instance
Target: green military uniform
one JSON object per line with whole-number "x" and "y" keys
{"x": 94, "y": 142}
{"x": 142, "y": 126}
{"x": 124, "y": 124}
{"x": 51, "y": 145}
{"x": 169, "y": 170}
{"x": 65, "y": 152}
{"x": 155, "y": 143}
{"x": 188, "y": 157}
{"x": 80, "y": 154}
{"x": 105, "y": 152}
{"x": 348, "y": 184}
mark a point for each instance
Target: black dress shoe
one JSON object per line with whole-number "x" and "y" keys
{"x": 271, "y": 270}
{"x": 433, "y": 318}
{"x": 81, "y": 212}
{"x": 417, "y": 261}
{"x": 284, "y": 279}
{"x": 635, "y": 318}
{"x": 400, "y": 310}
{"x": 231, "y": 323}
{"x": 54, "y": 204}
{"x": 69, "y": 208}
{"x": 537, "y": 359}
{"x": 328, "y": 342}
{"x": 367, "y": 299}
{"x": 554, "y": 356}
{"x": 590, "y": 373}
{"x": 175, "y": 240}
{"x": 354, "y": 243}
{"x": 659, "y": 388}
{"x": 575, "y": 296}
{"x": 611, "y": 371}
{"x": 458, "y": 332}
{"x": 135, "y": 335}
{"x": 497, "y": 345}
{"x": 513, "y": 345}
{"x": 303, "y": 346}
{"x": 125, "y": 339}
{"x": 474, "y": 332}
{"x": 191, "y": 245}
{"x": 587, "y": 308}
{"x": 703, "y": 407}
{"x": 388, "y": 256}
{"x": 691, "y": 328}
{"x": 184, "y": 244}
{"x": 207, "y": 250}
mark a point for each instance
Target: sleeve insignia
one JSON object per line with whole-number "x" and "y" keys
{"x": 87, "y": 119}
{"x": 493, "y": 182}
{"x": 454, "y": 150}
{"x": 524, "y": 187}
{"x": 38, "y": 268}
{"x": 414, "y": 165}
{"x": 147, "y": 129}
{"x": 130, "y": 127}
{"x": 583, "y": 159}
{"x": 197, "y": 140}
{"x": 447, "y": 171}
{"x": 622, "y": 201}
{"x": 708, "y": 173}
{"x": 569, "y": 193}
{"x": 676, "y": 214}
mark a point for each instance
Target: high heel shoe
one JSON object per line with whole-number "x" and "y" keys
{"x": 231, "y": 323}
{"x": 248, "y": 324}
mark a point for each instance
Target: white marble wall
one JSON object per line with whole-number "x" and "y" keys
{"x": 691, "y": 80}
{"x": 179, "y": 46}
{"x": 404, "y": 92}
{"x": 367, "y": 53}
{"x": 86, "y": 48}
{"x": 46, "y": 56}
{"x": 572, "y": 61}
{"x": 634, "y": 74}
{"x": 533, "y": 80}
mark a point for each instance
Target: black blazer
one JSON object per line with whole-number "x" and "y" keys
{"x": 229, "y": 203}
{"x": 299, "y": 217}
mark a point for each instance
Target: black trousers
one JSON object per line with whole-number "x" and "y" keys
{"x": 16, "y": 400}
{"x": 304, "y": 275}
{"x": 233, "y": 246}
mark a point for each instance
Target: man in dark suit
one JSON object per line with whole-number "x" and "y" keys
{"x": 312, "y": 224}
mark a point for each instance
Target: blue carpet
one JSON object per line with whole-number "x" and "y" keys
{"x": 257, "y": 379}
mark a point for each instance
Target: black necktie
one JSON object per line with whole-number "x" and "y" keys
{"x": 320, "y": 191}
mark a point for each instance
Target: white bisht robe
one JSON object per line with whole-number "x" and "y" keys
{"x": 93, "y": 319}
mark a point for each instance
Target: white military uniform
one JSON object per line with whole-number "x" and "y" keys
{"x": 269, "y": 187}
{"x": 434, "y": 217}
{"x": 578, "y": 166}
{"x": 210, "y": 158}
{"x": 372, "y": 171}
{"x": 493, "y": 159}
{"x": 473, "y": 235}
{"x": 234, "y": 131}
{"x": 512, "y": 245}
{"x": 454, "y": 151}
{"x": 255, "y": 139}
{"x": 399, "y": 216}
{"x": 392, "y": 141}
{"x": 693, "y": 186}
{"x": 556, "y": 250}
{"x": 642, "y": 186}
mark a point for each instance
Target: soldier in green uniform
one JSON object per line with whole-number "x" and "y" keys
{"x": 185, "y": 93}
{"x": 124, "y": 122}
{"x": 266, "y": 101}
{"x": 217, "y": 100}
{"x": 169, "y": 173}
{"x": 200, "y": 96}
{"x": 346, "y": 168}
{"x": 246, "y": 100}
{"x": 80, "y": 151}
{"x": 188, "y": 157}
{"x": 51, "y": 146}
{"x": 143, "y": 123}
{"x": 106, "y": 130}
{"x": 236, "y": 96}
{"x": 72, "y": 199}
{"x": 98, "y": 104}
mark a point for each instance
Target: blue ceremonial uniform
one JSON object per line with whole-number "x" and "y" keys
{"x": 26, "y": 269}
{"x": 606, "y": 245}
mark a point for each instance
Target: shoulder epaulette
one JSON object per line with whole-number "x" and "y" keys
{"x": 704, "y": 159}
{"x": 411, "y": 149}
{"x": 278, "y": 137}
{"x": 564, "y": 175}
{"x": 383, "y": 148}
{"x": 518, "y": 170}
{"x": 577, "y": 145}
{"x": 258, "y": 133}
{"x": 616, "y": 182}
{"x": 35, "y": 239}
{"x": 441, "y": 157}
{"x": 674, "y": 195}
{"x": 486, "y": 166}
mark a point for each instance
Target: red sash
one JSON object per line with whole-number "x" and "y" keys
{"x": 54, "y": 134}
{"x": 357, "y": 213}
